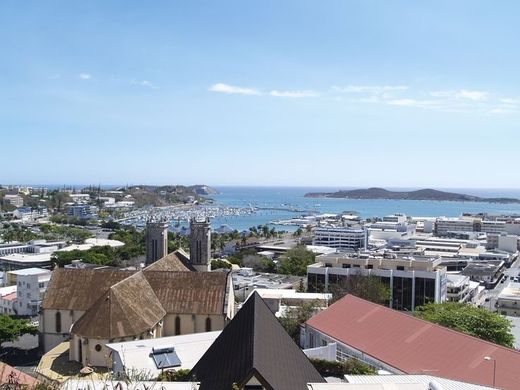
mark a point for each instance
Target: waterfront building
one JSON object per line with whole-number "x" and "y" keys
{"x": 412, "y": 280}
{"x": 156, "y": 240}
{"x": 200, "y": 244}
{"x": 395, "y": 218}
{"x": 402, "y": 344}
{"x": 341, "y": 238}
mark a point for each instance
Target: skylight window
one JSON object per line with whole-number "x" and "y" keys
{"x": 165, "y": 358}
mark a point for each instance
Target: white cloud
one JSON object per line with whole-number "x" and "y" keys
{"x": 461, "y": 94}
{"x": 500, "y": 110}
{"x": 230, "y": 89}
{"x": 85, "y": 76}
{"x": 145, "y": 83}
{"x": 510, "y": 101}
{"x": 370, "y": 88}
{"x": 411, "y": 103}
{"x": 471, "y": 95}
{"x": 294, "y": 94}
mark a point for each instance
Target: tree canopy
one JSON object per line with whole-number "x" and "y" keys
{"x": 367, "y": 287}
{"x": 469, "y": 319}
{"x": 296, "y": 260}
{"x": 12, "y": 328}
{"x": 293, "y": 317}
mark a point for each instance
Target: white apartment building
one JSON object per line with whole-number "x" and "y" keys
{"x": 31, "y": 284}
{"x": 342, "y": 238}
{"x": 13, "y": 200}
{"x": 508, "y": 302}
{"x": 413, "y": 281}
{"x": 461, "y": 289}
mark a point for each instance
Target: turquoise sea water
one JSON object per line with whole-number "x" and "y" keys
{"x": 293, "y": 198}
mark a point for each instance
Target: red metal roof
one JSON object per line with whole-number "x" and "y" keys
{"x": 10, "y": 375}
{"x": 10, "y": 297}
{"x": 415, "y": 346}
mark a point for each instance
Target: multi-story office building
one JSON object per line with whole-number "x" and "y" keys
{"x": 83, "y": 211}
{"x": 413, "y": 281}
{"x": 342, "y": 238}
{"x": 444, "y": 225}
{"x": 495, "y": 227}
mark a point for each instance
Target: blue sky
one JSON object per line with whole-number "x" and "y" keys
{"x": 330, "y": 93}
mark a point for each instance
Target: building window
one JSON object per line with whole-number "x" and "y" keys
{"x": 346, "y": 265}
{"x": 98, "y": 347}
{"x": 58, "y": 322}
{"x": 208, "y": 324}
{"x": 400, "y": 268}
{"x": 177, "y": 325}
{"x": 369, "y": 266}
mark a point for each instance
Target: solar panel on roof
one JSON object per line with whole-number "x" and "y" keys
{"x": 165, "y": 358}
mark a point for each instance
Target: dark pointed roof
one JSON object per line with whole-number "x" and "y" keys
{"x": 254, "y": 343}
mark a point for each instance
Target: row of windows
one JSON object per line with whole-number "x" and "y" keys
{"x": 402, "y": 291}
{"x": 177, "y": 324}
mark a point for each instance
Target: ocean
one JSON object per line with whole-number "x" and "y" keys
{"x": 276, "y": 202}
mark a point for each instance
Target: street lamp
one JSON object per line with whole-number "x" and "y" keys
{"x": 494, "y": 367}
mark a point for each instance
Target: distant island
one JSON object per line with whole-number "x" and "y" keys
{"x": 424, "y": 194}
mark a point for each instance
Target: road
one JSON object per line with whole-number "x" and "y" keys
{"x": 491, "y": 295}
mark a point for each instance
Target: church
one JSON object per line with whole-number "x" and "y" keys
{"x": 174, "y": 294}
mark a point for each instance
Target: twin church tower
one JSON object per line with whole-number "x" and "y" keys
{"x": 200, "y": 242}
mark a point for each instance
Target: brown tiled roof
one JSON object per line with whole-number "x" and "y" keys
{"x": 254, "y": 343}
{"x": 412, "y": 345}
{"x": 128, "y": 308}
{"x": 175, "y": 261}
{"x": 78, "y": 289}
{"x": 190, "y": 292}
